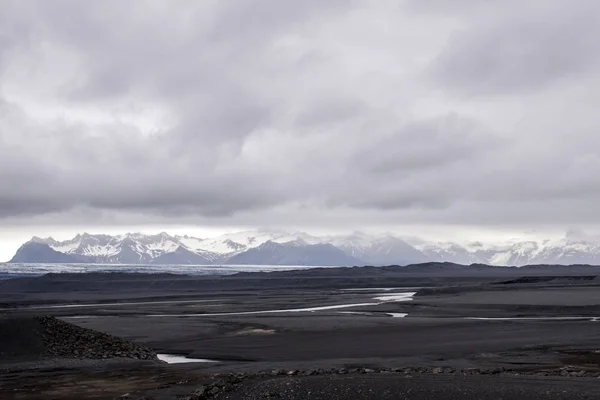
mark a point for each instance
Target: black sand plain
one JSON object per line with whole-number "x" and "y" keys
{"x": 470, "y": 332}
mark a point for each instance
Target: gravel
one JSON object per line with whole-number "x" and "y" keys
{"x": 44, "y": 337}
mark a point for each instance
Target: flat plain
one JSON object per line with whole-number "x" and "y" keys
{"x": 355, "y": 333}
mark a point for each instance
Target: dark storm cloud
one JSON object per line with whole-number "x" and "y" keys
{"x": 254, "y": 111}
{"x": 119, "y": 171}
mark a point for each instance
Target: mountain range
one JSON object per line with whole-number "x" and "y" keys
{"x": 284, "y": 248}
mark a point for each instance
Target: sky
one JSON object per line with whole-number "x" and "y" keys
{"x": 455, "y": 119}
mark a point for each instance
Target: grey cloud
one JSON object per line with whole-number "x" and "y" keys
{"x": 424, "y": 164}
{"x": 213, "y": 74}
{"x": 331, "y": 110}
{"x": 277, "y": 112}
{"x": 98, "y": 174}
{"x": 425, "y": 144}
{"x": 520, "y": 47}
{"x": 264, "y": 17}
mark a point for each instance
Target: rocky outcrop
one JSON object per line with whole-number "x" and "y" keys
{"x": 62, "y": 339}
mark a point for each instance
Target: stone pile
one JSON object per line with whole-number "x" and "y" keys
{"x": 63, "y": 339}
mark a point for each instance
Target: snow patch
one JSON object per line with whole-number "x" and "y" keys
{"x": 501, "y": 258}
{"x": 66, "y": 247}
{"x": 177, "y": 359}
{"x": 395, "y": 297}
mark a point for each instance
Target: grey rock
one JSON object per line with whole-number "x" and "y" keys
{"x": 199, "y": 394}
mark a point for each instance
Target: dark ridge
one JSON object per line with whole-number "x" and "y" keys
{"x": 544, "y": 279}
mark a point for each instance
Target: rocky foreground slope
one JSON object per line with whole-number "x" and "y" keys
{"x": 43, "y": 337}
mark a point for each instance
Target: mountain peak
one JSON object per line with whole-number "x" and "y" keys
{"x": 290, "y": 253}
{"x": 278, "y": 247}
{"x": 37, "y": 239}
{"x": 234, "y": 246}
{"x": 299, "y": 241}
{"x": 42, "y": 251}
{"x": 269, "y": 244}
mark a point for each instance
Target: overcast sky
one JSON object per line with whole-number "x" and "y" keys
{"x": 458, "y": 116}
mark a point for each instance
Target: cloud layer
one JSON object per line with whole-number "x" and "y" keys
{"x": 271, "y": 112}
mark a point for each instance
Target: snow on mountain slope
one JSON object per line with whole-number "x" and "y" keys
{"x": 231, "y": 244}
{"x": 130, "y": 248}
{"x": 377, "y": 250}
{"x": 354, "y": 244}
{"x": 189, "y": 242}
{"x": 137, "y": 248}
{"x": 140, "y": 248}
{"x": 41, "y": 250}
{"x": 570, "y": 250}
{"x": 68, "y": 247}
{"x": 448, "y": 252}
{"x": 181, "y": 256}
{"x": 295, "y": 253}
{"x": 512, "y": 253}
{"x": 565, "y": 251}
{"x": 161, "y": 243}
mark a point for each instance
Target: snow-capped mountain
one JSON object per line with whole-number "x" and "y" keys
{"x": 377, "y": 250}
{"x": 133, "y": 248}
{"x": 451, "y": 252}
{"x": 280, "y": 247}
{"x": 41, "y": 251}
{"x": 566, "y": 251}
{"x": 221, "y": 248}
{"x": 137, "y": 248}
{"x": 296, "y": 252}
{"x": 181, "y": 255}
